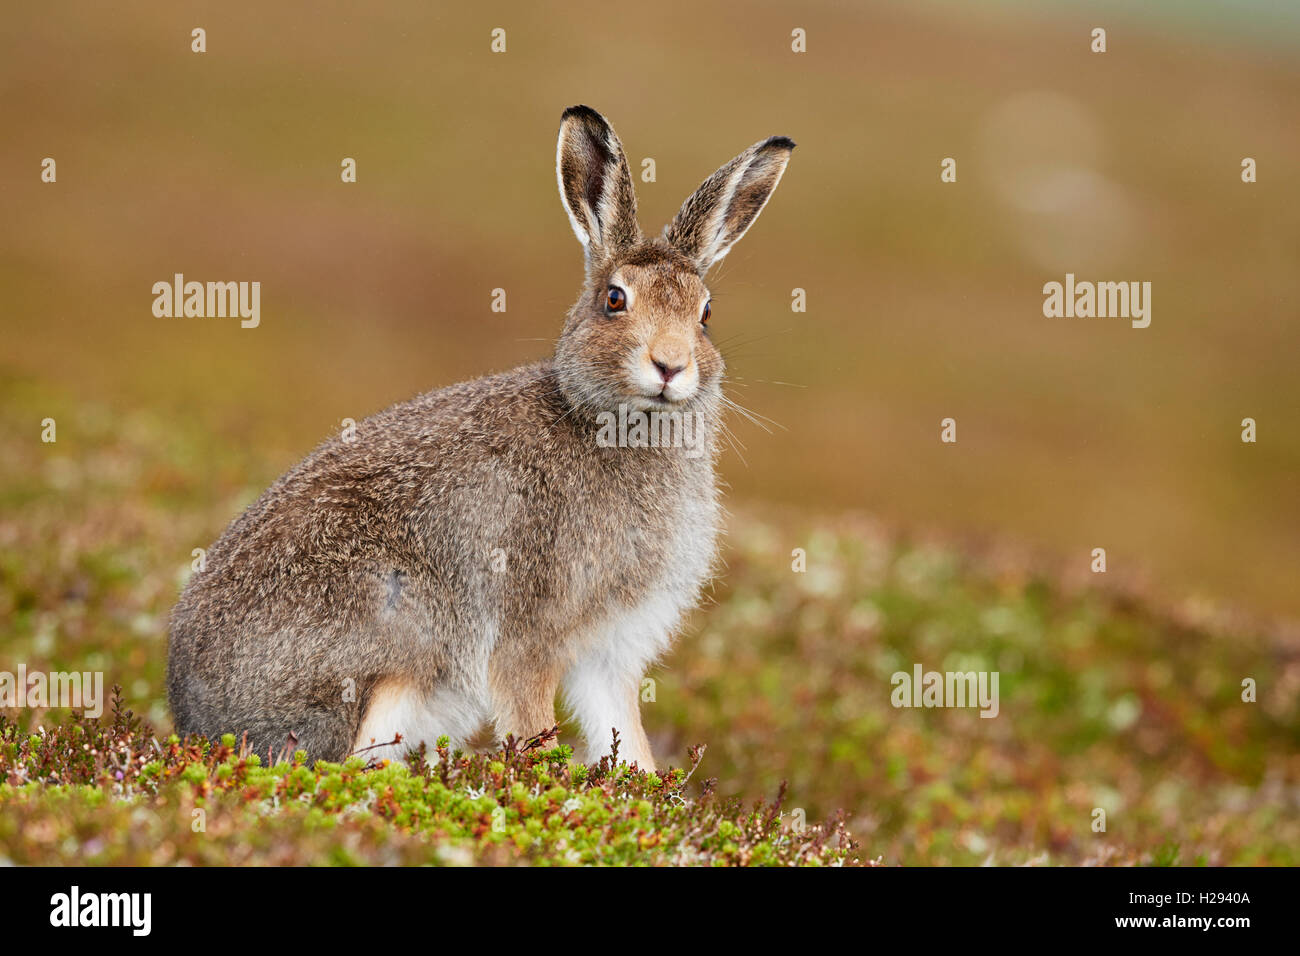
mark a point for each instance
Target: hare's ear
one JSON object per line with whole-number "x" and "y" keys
{"x": 728, "y": 202}
{"x": 595, "y": 182}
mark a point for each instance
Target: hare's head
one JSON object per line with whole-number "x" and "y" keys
{"x": 639, "y": 335}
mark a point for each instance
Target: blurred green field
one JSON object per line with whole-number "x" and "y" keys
{"x": 924, "y": 301}
{"x": 1107, "y": 699}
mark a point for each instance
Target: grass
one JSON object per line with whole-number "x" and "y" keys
{"x": 1109, "y": 699}
{"x": 108, "y": 792}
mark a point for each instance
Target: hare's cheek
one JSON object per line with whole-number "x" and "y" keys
{"x": 710, "y": 362}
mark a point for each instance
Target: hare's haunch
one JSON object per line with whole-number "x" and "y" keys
{"x": 471, "y": 552}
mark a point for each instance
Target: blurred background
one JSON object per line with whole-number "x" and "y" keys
{"x": 924, "y": 299}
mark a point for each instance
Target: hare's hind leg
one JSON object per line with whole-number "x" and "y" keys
{"x": 398, "y": 706}
{"x": 277, "y": 736}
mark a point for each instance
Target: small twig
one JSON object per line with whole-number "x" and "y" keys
{"x": 697, "y": 758}
{"x": 392, "y": 743}
{"x": 535, "y": 742}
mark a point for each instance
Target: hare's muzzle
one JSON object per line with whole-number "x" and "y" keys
{"x": 666, "y": 370}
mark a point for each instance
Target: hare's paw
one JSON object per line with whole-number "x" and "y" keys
{"x": 398, "y": 708}
{"x": 606, "y": 703}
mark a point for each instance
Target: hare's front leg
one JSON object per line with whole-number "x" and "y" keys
{"x": 604, "y": 694}
{"x": 523, "y": 695}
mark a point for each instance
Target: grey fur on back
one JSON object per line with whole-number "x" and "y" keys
{"x": 479, "y": 538}
{"x": 376, "y": 556}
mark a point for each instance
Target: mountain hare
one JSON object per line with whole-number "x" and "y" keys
{"x": 470, "y": 552}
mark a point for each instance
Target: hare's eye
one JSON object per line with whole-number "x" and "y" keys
{"x": 704, "y": 319}
{"x": 616, "y": 299}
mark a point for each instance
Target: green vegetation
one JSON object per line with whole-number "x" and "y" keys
{"x": 923, "y": 301}
{"x": 107, "y": 792}
{"x": 1107, "y": 700}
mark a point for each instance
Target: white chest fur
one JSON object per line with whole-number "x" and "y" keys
{"x": 604, "y": 685}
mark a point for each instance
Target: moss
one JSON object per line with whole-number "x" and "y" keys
{"x": 1113, "y": 700}
{"x": 506, "y": 806}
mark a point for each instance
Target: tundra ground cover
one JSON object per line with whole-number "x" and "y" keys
{"x": 1109, "y": 699}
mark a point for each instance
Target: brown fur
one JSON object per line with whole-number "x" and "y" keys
{"x": 369, "y": 566}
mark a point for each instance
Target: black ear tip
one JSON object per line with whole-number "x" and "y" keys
{"x": 581, "y": 112}
{"x": 780, "y": 142}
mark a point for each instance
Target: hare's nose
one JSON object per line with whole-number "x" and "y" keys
{"x": 666, "y": 371}
{"x": 671, "y": 356}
